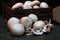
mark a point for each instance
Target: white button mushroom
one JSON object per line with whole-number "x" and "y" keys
{"x": 12, "y": 21}
{"x": 25, "y": 21}
{"x": 33, "y": 17}
{"x": 36, "y": 7}
{"x": 35, "y": 2}
{"x": 44, "y": 5}
{"x": 27, "y": 5}
{"x": 38, "y": 27}
{"x": 17, "y": 29}
{"x": 17, "y": 6}
{"x": 38, "y": 24}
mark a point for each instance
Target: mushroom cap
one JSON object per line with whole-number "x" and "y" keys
{"x": 27, "y": 5}
{"x": 35, "y": 2}
{"x": 25, "y": 21}
{"x": 17, "y": 6}
{"x": 39, "y": 24}
{"x": 44, "y": 5}
{"x": 33, "y": 17}
{"x": 12, "y": 20}
{"x": 17, "y": 29}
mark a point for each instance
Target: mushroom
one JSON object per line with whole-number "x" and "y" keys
{"x": 35, "y": 2}
{"x": 27, "y": 5}
{"x": 17, "y": 6}
{"x": 17, "y": 29}
{"x": 33, "y": 17}
{"x": 12, "y": 20}
{"x": 44, "y": 5}
{"x": 38, "y": 24}
{"x": 38, "y": 27}
{"x": 25, "y": 21}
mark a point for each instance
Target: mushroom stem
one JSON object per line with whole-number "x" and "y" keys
{"x": 50, "y": 21}
{"x": 37, "y": 33}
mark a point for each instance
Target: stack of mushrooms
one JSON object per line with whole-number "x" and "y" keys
{"x": 29, "y": 25}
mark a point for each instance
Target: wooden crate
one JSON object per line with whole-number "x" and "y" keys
{"x": 42, "y": 13}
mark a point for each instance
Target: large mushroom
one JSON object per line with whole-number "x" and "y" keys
{"x": 17, "y": 29}
{"x": 12, "y": 21}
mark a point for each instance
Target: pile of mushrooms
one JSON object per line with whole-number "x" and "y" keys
{"x": 29, "y": 25}
{"x": 30, "y": 5}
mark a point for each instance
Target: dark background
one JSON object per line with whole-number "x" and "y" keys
{"x": 52, "y": 3}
